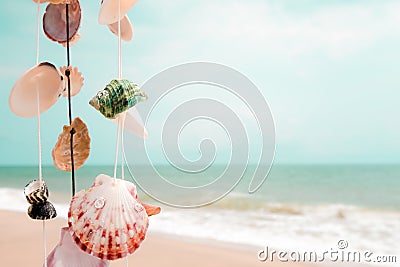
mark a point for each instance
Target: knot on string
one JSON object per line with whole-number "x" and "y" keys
{"x": 72, "y": 132}
{"x": 67, "y": 73}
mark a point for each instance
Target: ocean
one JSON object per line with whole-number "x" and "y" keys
{"x": 298, "y": 208}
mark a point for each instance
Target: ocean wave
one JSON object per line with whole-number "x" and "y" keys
{"x": 14, "y": 200}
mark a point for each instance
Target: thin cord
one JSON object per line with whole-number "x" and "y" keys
{"x": 122, "y": 122}
{"x": 39, "y": 135}
{"x": 116, "y": 151}
{"x": 37, "y": 91}
{"x": 44, "y": 243}
{"x": 72, "y": 132}
{"x": 38, "y": 33}
{"x": 119, "y": 42}
{"x": 119, "y": 77}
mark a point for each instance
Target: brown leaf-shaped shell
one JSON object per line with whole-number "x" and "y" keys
{"x": 54, "y": 21}
{"x": 81, "y": 144}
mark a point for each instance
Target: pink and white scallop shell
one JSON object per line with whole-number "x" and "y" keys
{"x": 76, "y": 80}
{"x": 107, "y": 221}
{"x": 67, "y": 254}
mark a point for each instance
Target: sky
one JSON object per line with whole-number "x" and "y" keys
{"x": 329, "y": 71}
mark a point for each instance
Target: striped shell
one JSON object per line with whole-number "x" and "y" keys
{"x": 67, "y": 254}
{"x": 107, "y": 221}
{"x": 36, "y": 192}
{"x": 54, "y": 21}
{"x": 117, "y": 97}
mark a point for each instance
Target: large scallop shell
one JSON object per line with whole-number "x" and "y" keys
{"x": 126, "y": 29}
{"x": 76, "y": 80}
{"x": 43, "y": 81}
{"x": 81, "y": 144}
{"x": 54, "y": 21}
{"x": 67, "y": 254}
{"x": 109, "y": 10}
{"x": 117, "y": 97}
{"x": 107, "y": 221}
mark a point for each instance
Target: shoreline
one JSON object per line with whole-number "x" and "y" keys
{"x": 22, "y": 244}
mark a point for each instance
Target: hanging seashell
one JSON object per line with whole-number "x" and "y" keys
{"x": 51, "y": 1}
{"x": 43, "y": 82}
{"x": 67, "y": 254}
{"x": 117, "y": 97}
{"x": 109, "y": 10}
{"x": 72, "y": 40}
{"x": 45, "y": 211}
{"x": 76, "y": 81}
{"x": 107, "y": 221}
{"x": 36, "y": 192}
{"x": 150, "y": 210}
{"x": 133, "y": 123}
{"x": 54, "y": 21}
{"x": 126, "y": 29}
{"x": 81, "y": 145}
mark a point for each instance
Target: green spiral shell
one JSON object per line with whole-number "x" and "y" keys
{"x": 117, "y": 97}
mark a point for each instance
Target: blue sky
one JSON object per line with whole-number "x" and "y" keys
{"x": 328, "y": 69}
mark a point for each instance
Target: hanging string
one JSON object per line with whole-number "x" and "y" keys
{"x": 37, "y": 91}
{"x": 67, "y": 73}
{"x": 38, "y": 126}
{"x": 119, "y": 42}
{"x": 121, "y": 126}
{"x": 116, "y": 151}
{"x": 119, "y": 77}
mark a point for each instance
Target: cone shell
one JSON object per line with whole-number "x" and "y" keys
{"x": 75, "y": 78}
{"x": 117, "y": 97}
{"x": 81, "y": 144}
{"x": 107, "y": 221}
{"x": 67, "y": 254}
{"x": 45, "y": 211}
{"x": 36, "y": 192}
{"x": 54, "y": 21}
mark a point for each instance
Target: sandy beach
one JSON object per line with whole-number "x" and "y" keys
{"x": 21, "y": 245}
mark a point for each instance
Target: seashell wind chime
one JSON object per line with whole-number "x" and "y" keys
{"x": 107, "y": 221}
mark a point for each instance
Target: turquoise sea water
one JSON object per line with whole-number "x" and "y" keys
{"x": 371, "y": 186}
{"x": 299, "y": 207}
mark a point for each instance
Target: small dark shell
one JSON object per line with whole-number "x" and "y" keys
{"x": 36, "y": 192}
{"x": 42, "y": 212}
{"x": 54, "y": 21}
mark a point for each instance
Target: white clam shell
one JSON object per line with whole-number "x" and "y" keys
{"x": 43, "y": 81}
{"x": 76, "y": 80}
{"x": 126, "y": 29}
{"x": 107, "y": 221}
{"x": 109, "y": 10}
